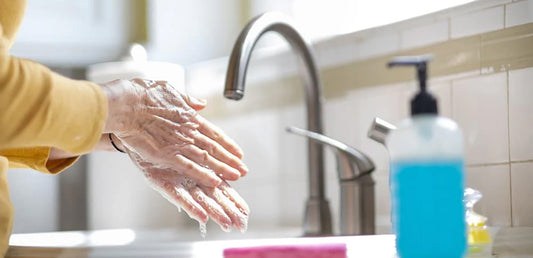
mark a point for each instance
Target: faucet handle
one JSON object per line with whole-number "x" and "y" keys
{"x": 347, "y": 156}
{"x": 379, "y": 129}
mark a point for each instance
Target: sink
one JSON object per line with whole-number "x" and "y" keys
{"x": 173, "y": 243}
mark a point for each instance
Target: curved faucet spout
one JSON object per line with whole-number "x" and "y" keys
{"x": 318, "y": 216}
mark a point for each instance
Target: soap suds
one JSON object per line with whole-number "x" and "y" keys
{"x": 203, "y": 229}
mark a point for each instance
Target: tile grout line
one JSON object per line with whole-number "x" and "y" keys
{"x": 499, "y": 163}
{"x": 509, "y": 146}
{"x": 505, "y": 15}
{"x": 487, "y": 164}
{"x": 449, "y": 29}
{"x": 451, "y": 100}
{"x": 522, "y": 161}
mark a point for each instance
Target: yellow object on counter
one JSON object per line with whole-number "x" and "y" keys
{"x": 39, "y": 110}
{"x": 478, "y": 239}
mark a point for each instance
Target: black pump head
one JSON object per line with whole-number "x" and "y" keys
{"x": 423, "y": 102}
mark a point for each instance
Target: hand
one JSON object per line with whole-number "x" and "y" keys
{"x": 161, "y": 125}
{"x": 221, "y": 203}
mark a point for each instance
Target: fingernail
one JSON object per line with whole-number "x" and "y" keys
{"x": 226, "y": 227}
{"x": 240, "y": 152}
{"x": 198, "y": 101}
{"x": 233, "y": 175}
{"x": 244, "y": 169}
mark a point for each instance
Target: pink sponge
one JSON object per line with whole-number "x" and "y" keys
{"x": 286, "y": 251}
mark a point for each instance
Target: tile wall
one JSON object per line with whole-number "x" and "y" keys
{"x": 494, "y": 125}
{"x": 493, "y": 106}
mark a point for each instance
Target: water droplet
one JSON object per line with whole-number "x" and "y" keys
{"x": 244, "y": 221}
{"x": 203, "y": 229}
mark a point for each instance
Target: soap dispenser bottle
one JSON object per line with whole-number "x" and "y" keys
{"x": 427, "y": 177}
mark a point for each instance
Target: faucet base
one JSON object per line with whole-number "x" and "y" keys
{"x": 317, "y": 220}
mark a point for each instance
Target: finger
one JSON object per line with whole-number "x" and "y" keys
{"x": 238, "y": 217}
{"x": 229, "y": 192}
{"x": 180, "y": 197}
{"x": 218, "y": 152}
{"x": 188, "y": 168}
{"x": 213, "y": 132}
{"x": 203, "y": 158}
{"x": 195, "y": 103}
{"x": 215, "y": 211}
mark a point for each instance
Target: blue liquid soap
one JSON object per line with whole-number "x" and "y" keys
{"x": 428, "y": 210}
{"x": 426, "y": 150}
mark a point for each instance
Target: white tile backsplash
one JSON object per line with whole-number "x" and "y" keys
{"x": 337, "y": 51}
{"x": 521, "y": 180}
{"x": 292, "y": 150}
{"x": 264, "y": 201}
{"x": 477, "y": 22}
{"x": 424, "y": 35}
{"x": 480, "y": 108}
{"x": 519, "y": 13}
{"x": 494, "y": 183}
{"x": 521, "y": 114}
{"x": 443, "y": 93}
{"x": 292, "y": 202}
{"x": 258, "y": 134}
{"x": 378, "y": 45}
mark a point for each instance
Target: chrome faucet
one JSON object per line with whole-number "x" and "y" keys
{"x": 317, "y": 219}
{"x": 354, "y": 168}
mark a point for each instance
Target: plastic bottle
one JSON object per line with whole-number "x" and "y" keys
{"x": 427, "y": 177}
{"x": 479, "y": 240}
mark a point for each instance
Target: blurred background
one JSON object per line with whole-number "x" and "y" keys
{"x": 87, "y": 39}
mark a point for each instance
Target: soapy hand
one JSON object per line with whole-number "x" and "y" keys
{"x": 177, "y": 150}
{"x": 221, "y": 203}
{"x": 161, "y": 126}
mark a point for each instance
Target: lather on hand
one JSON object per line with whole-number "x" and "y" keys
{"x": 184, "y": 157}
{"x": 161, "y": 125}
{"x": 221, "y": 203}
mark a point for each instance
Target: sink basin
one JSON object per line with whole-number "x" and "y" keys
{"x": 172, "y": 243}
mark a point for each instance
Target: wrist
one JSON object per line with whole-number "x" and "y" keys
{"x": 120, "y": 96}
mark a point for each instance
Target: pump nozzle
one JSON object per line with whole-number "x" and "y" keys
{"x": 423, "y": 102}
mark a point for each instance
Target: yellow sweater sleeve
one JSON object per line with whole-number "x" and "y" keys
{"x": 37, "y": 159}
{"x": 41, "y": 108}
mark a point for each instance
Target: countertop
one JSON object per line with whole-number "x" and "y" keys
{"x": 508, "y": 242}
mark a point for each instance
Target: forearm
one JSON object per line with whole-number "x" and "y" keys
{"x": 104, "y": 144}
{"x": 42, "y": 108}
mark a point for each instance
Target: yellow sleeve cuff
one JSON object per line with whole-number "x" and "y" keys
{"x": 37, "y": 159}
